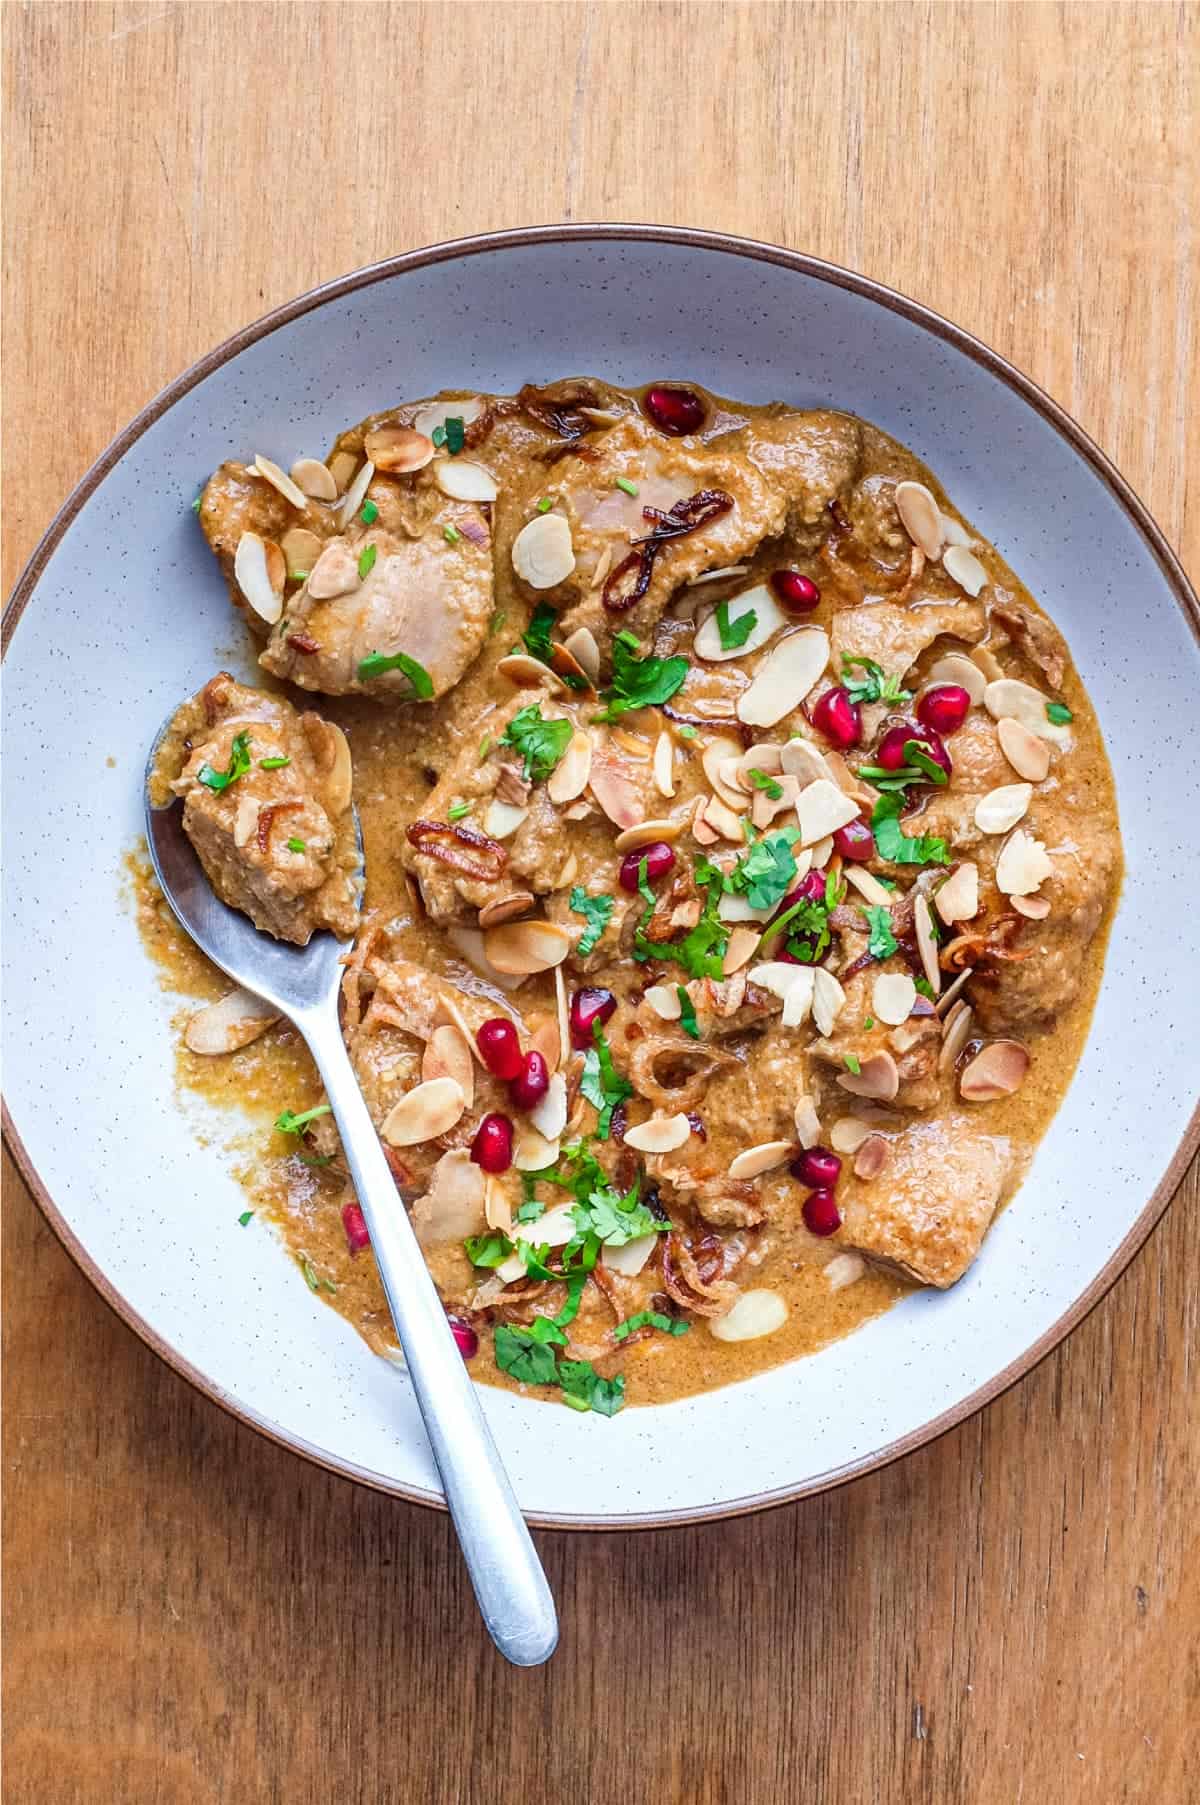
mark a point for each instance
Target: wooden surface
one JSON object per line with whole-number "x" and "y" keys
{"x": 193, "y": 1615}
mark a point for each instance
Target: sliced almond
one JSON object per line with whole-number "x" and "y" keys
{"x": 956, "y": 668}
{"x": 334, "y": 573}
{"x": 632, "y": 1257}
{"x": 661, "y": 1134}
{"x": 583, "y": 648}
{"x": 497, "y": 1205}
{"x": 430, "y": 1109}
{"x": 562, "y": 1015}
{"x": 964, "y": 567}
{"x": 867, "y": 886}
{"x": 821, "y": 809}
{"x": 722, "y": 819}
{"x": 544, "y": 1039}
{"x": 300, "y": 548}
{"x": 768, "y": 619}
{"x": 1036, "y": 908}
{"x": 776, "y": 975}
{"x": 988, "y": 663}
{"x": 767, "y": 757}
{"x": 506, "y": 908}
{"x": 737, "y": 908}
{"x": 701, "y": 831}
{"x": 755, "y": 1314}
{"x": 1026, "y": 752}
{"x": 522, "y": 947}
{"x": 848, "y": 1134}
{"x": 1022, "y": 865}
{"x": 647, "y": 833}
{"x": 245, "y": 820}
{"x": 224, "y": 1027}
{"x": 921, "y": 517}
{"x": 603, "y": 566}
{"x": 1007, "y": 698}
{"x": 254, "y": 576}
{"x": 448, "y": 1008}
{"x": 878, "y": 1077}
{"x": 448, "y": 1055}
{"x": 713, "y": 759}
{"x": 617, "y": 794}
{"x": 871, "y": 1157}
{"x": 892, "y": 997}
{"x": 550, "y": 1115}
{"x": 462, "y": 480}
{"x": 664, "y": 765}
{"x": 436, "y": 413}
{"x": 280, "y": 480}
{"x": 954, "y": 531}
{"x": 632, "y": 743}
{"x": 784, "y": 677}
{"x": 567, "y": 666}
{"x": 757, "y": 1160}
{"x": 530, "y": 673}
{"x": 958, "y": 897}
{"x": 353, "y": 499}
{"x": 342, "y": 466}
{"x": 800, "y": 758}
{"x": 503, "y": 818}
{"x": 719, "y": 576}
{"x": 764, "y": 807}
{"x": 532, "y": 1152}
{"x": 808, "y": 1122}
{"x": 799, "y": 999}
{"x": 952, "y": 991}
{"x": 314, "y": 478}
{"x": 997, "y": 1071}
{"x": 1002, "y": 808}
{"x": 542, "y": 553}
{"x": 956, "y": 1032}
{"x": 829, "y": 999}
{"x": 927, "y": 943}
{"x": 665, "y": 1002}
{"x": 569, "y": 777}
{"x": 845, "y": 1269}
{"x": 398, "y": 450}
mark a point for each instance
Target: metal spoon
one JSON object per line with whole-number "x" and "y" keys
{"x": 304, "y": 983}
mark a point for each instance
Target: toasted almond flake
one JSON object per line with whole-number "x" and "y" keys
{"x": 754, "y": 1161}
{"x": 997, "y": 1071}
{"x": 800, "y": 758}
{"x": 776, "y": 975}
{"x": 927, "y": 943}
{"x": 799, "y": 999}
{"x": 542, "y": 553}
{"x": 352, "y": 501}
{"x": 462, "y": 480}
{"x": 963, "y": 672}
{"x": 550, "y": 1116}
{"x": 956, "y": 1032}
{"x": 904, "y": 1038}
{"x": 569, "y": 777}
{"x": 988, "y": 663}
{"x": 583, "y": 648}
{"x": 564, "y": 1024}
{"x": 469, "y": 942}
{"x": 952, "y": 991}
{"x": 821, "y": 809}
{"x": 398, "y": 450}
{"x": 821, "y": 853}
{"x": 868, "y": 887}
{"x": 702, "y": 833}
{"x": 723, "y": 820}
{"x": 1036, "y": 908}
{"x": 253, "y": 573}
{"x": 892, "y": 997}
{"x": 848, "y": 1134}
{"x": 1009, "y": 698}
{"x": 448, "y": 1055}
{"x": 430, "y": 1109}
{"x": 754, "y": 1314}
{"x": 510, "y": 1270}
{"x": 784, "y": 677}
{"x": 1028, "y": 753}
{"x": 314, "y": 478}
{"x": 300, "y": 548}
{"x": 871, "y": 1157}
{"x": 764, "y": 808}
{"x": 965, "y": 569}
{"x": 230, "y": 1024}
{"x": 447, "y": 1006}
{"x": 1002, "y": 808}
{"x": 506, "y": 908}
{"x": 767, "y": 757}
{"x": 845, "y": 1269}
{"x": 525, "y": 672}
{"x": 342, "y": 466}
{"x": 742, "y": 944}
{"x": 733, "y": 907}
{"x": 829, "y": 999}
{"x": 718, "y": 576}
{"x": 958, "y": 897}
{"x": 567, "y": 666}
{"x": 280, "y": 480}
{"x": 632, "y": 1257}
{"x": 617, "y": 794}
{"x": 334, "y": 573}
{"x": 603, "y": 566}
{"x": 878, "y": 1078}
{"x": 556, "y": 1227}
{"x": 497, "y": 1205}
{"x": 245, "y": 820}
{"x": 521, "y": 947}
{"x": 664, "y": 1000}
{"x": 808, "y": 1122}
{"x": 631, "y": 743}
{"x": 427, "y": 419}
{"x": 921, "y": 517}
{"x": 661, "y": 1134}
{"x": 714, "y": 758}
{"x": 1022, "y": 865}
{"x": 544, "y": 1039}
{"x": 532, "y": 1152}
{"x": 503, "y": 819}
{"x": 664, "y": 765}
{"x": 646, "y": 833}
{"x": 768, "y": 619}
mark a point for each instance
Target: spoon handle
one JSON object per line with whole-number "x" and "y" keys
{"x": 510, "y": 1586}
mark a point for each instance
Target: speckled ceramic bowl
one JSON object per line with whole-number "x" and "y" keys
{"x": 122, "y": 611}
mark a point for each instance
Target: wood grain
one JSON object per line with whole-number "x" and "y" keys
{"x": 194, "y": 1615}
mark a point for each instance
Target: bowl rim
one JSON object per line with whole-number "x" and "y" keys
{"x": 724, "y": 244}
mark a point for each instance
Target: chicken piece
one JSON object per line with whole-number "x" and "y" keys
{"x": 780, "y": 473}
{"x": 895, "y": 637}
{"x": 979, "y": 766}
{"x": 237, "y": 500}
{"x": 1036, "y": 638}
{"x": 426, "y": 595}
{"x": 914, "y": 1044}
{"x": 927, "y": 1212}
{"x": 276, "y": 842}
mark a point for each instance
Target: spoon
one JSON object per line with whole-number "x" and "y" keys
{"x": 303, "y": 983}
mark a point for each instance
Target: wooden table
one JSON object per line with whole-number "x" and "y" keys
{"x": 194, "y": 1615}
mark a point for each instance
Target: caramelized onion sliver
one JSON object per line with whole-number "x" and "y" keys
{"x": 451, "y": 843}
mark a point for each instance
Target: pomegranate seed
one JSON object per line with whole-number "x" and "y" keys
{"x": 891, "y": 754}
{"x": 465, "y": 1338}
{"x": 794, "y": 592}
{"x": 674, "y": 411}
{"x": 659, "y": 859}
{"x": 855, "y": 842}
{"x": 492, "y": 1146}
{"x": 821, "y": 1214}
{"x": 532, "y": 1082}
{"x": 818, "y": 1167}
{"x": 355, "y": 1225}
{"x": 811, "y": 888}
{"x": 587, "y": 1008}
{"x": 943, "y": 708}
{"x": 838, "y": 718}
{"x": 499, "y": 1047}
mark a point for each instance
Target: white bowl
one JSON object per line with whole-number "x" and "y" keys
{"x": 122, "y": 611}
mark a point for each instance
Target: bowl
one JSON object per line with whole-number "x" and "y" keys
{"x": 122, "y": 611}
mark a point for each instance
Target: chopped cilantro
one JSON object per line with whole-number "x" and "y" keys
{"x": 687, "y": 1013}
{"x": 273, "y": 764}
{"x": 287, "y": 1123}
{"x": 702, "y": 951}
{"x": 524, "y": 1357}
{"x": 584, "y": 1389}
{"x": 596, "y": 911}
{"x": 768, "y": 785}
{"x": 366, "y": 561}
{"x": 295, "y": 845}
{"x": 239, "y": 764}
{"x": 807, "y": 923}
{"x": 377, "y": 663}
{"x": 623, "y": 482}
{"x": 485, "y": 746}
{"x": 1059, "y": 713}
{"x": 877, "y": 685}
{"x": 540, "y": 742}
{"x": 650, "y": 1319}
{"x": 246, "y": 1216}
{"x": 545, "y": 503}
{"x": 852, "y": 1064}
{"x": 734, "y": 633}
{"x": 457, "y": 811}
{"x": 537, "y": 635}
{"x": 456, "y": 434}
{"x": 487, "y": 1250}
{"x": 369, "y": 514}
{"x": 898, "y": 847}
{"x": 196, "y": 505}
{"x": 766, "y": 873}
{"x": 532, "y": 1207}
{"x": 686, "y": 732}
{"x": 310, "y": 1276}
{"x": 602, "y": 1084}
{"x": 869, "y": 1023}
{"x": 299, "y": 576}
{"x": 639, "y": 682}
{"x": 496, "y": 622}
{"x": 615, "y": 1219}
{"x": 918, "y": 754}
{"x": 924, "y": 988}
{"x": 882, "y": 943}
{"x": 451, "y": 534}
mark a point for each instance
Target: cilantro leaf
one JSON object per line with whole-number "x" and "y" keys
{"x": 584, "y": 1389}
{"x": 924, "y": 988}
{"x": 1059, "y": 713}
{"x": 521, "y": 1354}
{"x": 918, "y": 754}
{"x": 540, "y": 742}
{"x": 614, "y": 1218}
{"x": 532, "y": 1207}
{"x": 366, "y": 562}
{"x": 287, "y": 1123}
{"x": 245, "y": 1217}
{"x": 650, "y": 1319}
{"x": 596, "y": 911}
{"x": 734, "y": 633}
{"x": 899, "y": 848}
{"x": 702, "y": 951}
{"x": 639, "y": 682}
{"x": 602, "y": 1084}
{"x": 487, "y": 1250}
{"x": 687, "y": 1013}
{"x": 853, "y": 1064}
{"x": 239, "y": 764}
{"x": 456, "y": 434}
{"x": 766, "y": 873}
{"x": 458, "y": 811}
{"x": 882, "y": 943}
{"x": 377, "y": 663}
{"x": 877, "y": 685}
{"x": 536, "y": 637}
{"x": 273, "y": 764}
{"x": 768, "y": 785}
